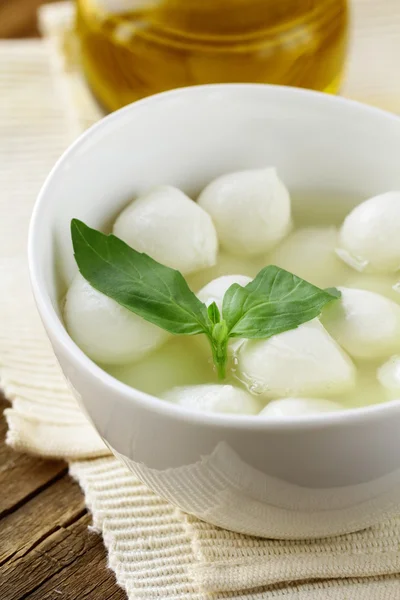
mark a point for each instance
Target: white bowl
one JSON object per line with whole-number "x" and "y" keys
{"x": 299, "y": 477}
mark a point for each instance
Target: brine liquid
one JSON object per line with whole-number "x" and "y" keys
{"x": 135, "y": 48}
{"x": 187, "y": 360}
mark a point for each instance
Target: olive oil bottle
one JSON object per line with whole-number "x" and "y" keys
{"x": 134, "y": 48}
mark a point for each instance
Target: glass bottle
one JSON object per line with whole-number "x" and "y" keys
{"x": 134, "y": 48}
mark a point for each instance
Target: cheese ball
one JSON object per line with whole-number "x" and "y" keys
{"x": 310, "y": 254}
{"x": 298, "y": 407}
{"x": 215, "y": 290}
{"x": 389, "y": 374}
{"x": 214, "y": 398}
{"x": 368, "y": 390}
{"x": 106, "y": 331}
{"x": 369, "y": 238}
{"x": 251, "y": 210}
{"x": 227, "y": 264}
{"x": 386, "y": 285}
{"x": 305, "y": 361}
{"x": 181, "y": 361}
{"x": 171, "y": 228}
{"x": 365, "y": 324}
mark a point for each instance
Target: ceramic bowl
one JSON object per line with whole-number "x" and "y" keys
{"x": 290, "y": 478}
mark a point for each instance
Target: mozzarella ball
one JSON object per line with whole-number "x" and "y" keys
{"x": 386, "y": 285}
{"x": 227, "y": 264}
{"x": 298, "y": 407}
{"x": 310, "y": 254}
{"x": 304, "y": 361}
{"x": 171, "y": 228}
{"x": 389, "y": 374}
{"x": 214, "y": 398}
{"x": 250, "y": 209}
{"x": 365, "y": 324}
{"x": 369, "y": 237}
{"x": 181, "y": 361}
{"x": 106, "y": 331}
{"x": 215, "y": 290}
{"x": 368, "y": 390}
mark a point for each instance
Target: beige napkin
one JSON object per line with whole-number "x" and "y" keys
{"x": 154, "y": 549}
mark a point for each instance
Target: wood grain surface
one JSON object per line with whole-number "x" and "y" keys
{"x": 47, "y": 551}
{"x": 18, "y": 18}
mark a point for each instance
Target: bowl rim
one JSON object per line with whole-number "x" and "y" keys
{"x": 132, "y": 395}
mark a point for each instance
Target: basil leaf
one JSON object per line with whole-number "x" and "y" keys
{"x": 233, "y": 305}
{"x": 213, "y": 313}
{"x": 334, "y": 292}
{"x": 275, "y": 301}
{"x": 137, "y": 282}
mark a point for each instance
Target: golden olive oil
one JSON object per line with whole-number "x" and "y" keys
{"x": 134, "y": 48}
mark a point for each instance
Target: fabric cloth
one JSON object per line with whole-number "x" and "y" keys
{"x": 154, "y": 549}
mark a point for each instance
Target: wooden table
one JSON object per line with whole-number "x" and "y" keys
{"x": 18, "y": 18}
{"x": 46, "y": 549}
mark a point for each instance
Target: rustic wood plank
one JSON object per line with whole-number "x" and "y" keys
{"x": 5, "y": 452}
{"x": 46, "y": 549}
{"x": 87, "y": 578}
{"x": 22, "y": 476}
{"x": 29, "y": 568}
{"x": 69, "y": 564}
{"x": 18, "y": 18}
{"x": 76, "y": 584}
{"x": 57, "y": 505}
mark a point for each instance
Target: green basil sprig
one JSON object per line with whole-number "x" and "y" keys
{"x": 275, "y": 301}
